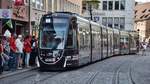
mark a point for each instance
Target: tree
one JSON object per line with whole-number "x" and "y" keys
{"x": 93, "y": 3}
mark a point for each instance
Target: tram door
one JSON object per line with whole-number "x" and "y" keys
{"x": 104, "y": 43}
{"x": 132, "y": 44}
{"x": 84, "y": 43}
{"x": 124, "y": 43}
{"x": 96, "y": 54}
{"x": 110, "y": 42}
{"x": 116, "y": 42}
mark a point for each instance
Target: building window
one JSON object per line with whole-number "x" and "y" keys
{"x": 110, "y": 22}
{"x": 110, "y": 6}
{"x": 116, "y": 5}
{"x": 116, "y": 22}
{"x": 104, "y": 5}
{"x": 122, "y": 23}
{"x": 122, "y": 6}
{"x": 104, "y": 21}
{"x": 135, "y": 11}
{"x": 144, "y": 11}
{"x": 38, "y": 6}
{"x": 33, "y": 3}
{"x": 49, "y": 5}
{"x": 55, "y": 6}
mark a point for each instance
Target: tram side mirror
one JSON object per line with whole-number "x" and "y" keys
{"x": 74, "y": 22}
{"x": 75, "y": 26}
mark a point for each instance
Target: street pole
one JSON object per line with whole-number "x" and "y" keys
{"x": 91, "y": 18}
{"x": 138, "y": 40}
{"x": 29, "y": 17}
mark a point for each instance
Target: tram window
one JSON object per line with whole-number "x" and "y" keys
{"x": 70, "y": 39}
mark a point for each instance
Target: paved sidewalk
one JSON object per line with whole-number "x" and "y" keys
{"x": 10, "y": 73}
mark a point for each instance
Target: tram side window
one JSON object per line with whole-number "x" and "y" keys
{"x": 115, "y": 41}
{"x": 132, "y": 44}
{"x": 70, "y": 39}
{"x": 105, "y": 40}
{"x": 84, "y": 39}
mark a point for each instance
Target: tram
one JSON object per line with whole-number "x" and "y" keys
{"x": 67, "y": 40}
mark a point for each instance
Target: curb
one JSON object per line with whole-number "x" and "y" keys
{"x": 16, "y": 72}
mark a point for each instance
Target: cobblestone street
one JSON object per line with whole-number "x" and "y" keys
{"x": 129, "y": 69}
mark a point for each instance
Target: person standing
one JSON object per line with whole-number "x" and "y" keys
{"x": 19, "y": 45}
{"x": 6, "y": 46}
{"x": 144, "y": 46}
{"x": 34, "y": 52}
{"x": 27, "y": 50}
{"x": 1, "y": 61}
{"x": 13, "y": 49}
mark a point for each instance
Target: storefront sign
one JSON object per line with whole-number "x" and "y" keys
{"x": 5, "y": 13}
{"x": 95, "y": 18}
{"x": 19, "y": 11}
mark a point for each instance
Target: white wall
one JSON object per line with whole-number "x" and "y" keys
{"x": 128, "y": 13}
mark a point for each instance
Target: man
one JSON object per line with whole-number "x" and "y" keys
{"x": 19, "y": 45}
{"x": 13, "y": 50}
{"x": 144, "y": 46}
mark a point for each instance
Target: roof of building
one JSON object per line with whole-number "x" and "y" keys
{"x": 142, "y": 11}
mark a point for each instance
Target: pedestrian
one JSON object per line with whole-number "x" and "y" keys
{"x": 27, "y": 50}
{"x": 144, "y": 46}
{"x": 6, "y": 46}
{"x": 34, "y": 52}
{"x": 19, "y": 45}
{"x": 13, "y": 49}
{"x": 1, "y": 61}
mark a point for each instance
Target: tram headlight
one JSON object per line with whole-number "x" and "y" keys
{"x": 75, "y": 57}
{"x": 68, "y": 57}
{"x": 72, "y": 57}
{"x": 49, "y": 54}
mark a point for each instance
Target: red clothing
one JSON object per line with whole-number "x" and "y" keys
{"x": 27, "y": 46}
{"x": 12, "y": 44}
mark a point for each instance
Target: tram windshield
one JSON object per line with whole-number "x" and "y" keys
{"x": 53, "y": 33}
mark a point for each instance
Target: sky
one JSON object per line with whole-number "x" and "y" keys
{"x": 143, "y": 0}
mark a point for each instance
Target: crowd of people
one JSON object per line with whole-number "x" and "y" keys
{"x": 17, "y": 52}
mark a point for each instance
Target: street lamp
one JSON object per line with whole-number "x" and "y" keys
{"x": 138, "y": 40}
{"x": 90, "y": 3}
{"x": 95, "y": 4}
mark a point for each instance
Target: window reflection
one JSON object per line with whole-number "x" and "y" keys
{"x": 52, "y": 35}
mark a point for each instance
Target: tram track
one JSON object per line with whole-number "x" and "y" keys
{"x": 116, "y": 76}
{"x": 90, "y": 81}
{"x": 130, "y": 71}
{"x": 115, "y": 79}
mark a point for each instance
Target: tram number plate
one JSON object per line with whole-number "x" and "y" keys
{"x": 50, "y": 59}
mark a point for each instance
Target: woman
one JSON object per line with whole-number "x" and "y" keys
{"x": 27, "y": 50}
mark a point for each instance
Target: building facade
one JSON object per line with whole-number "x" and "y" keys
{"x": 115, "y": 14}
{"x": 142, "y": 21}
{"x": 41, "y": 7}
{"x": 37, "y": 9}
{"x": 25, "y": 18}
{"x": 18, "y": 17}
{"x": 74, "y": 6}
